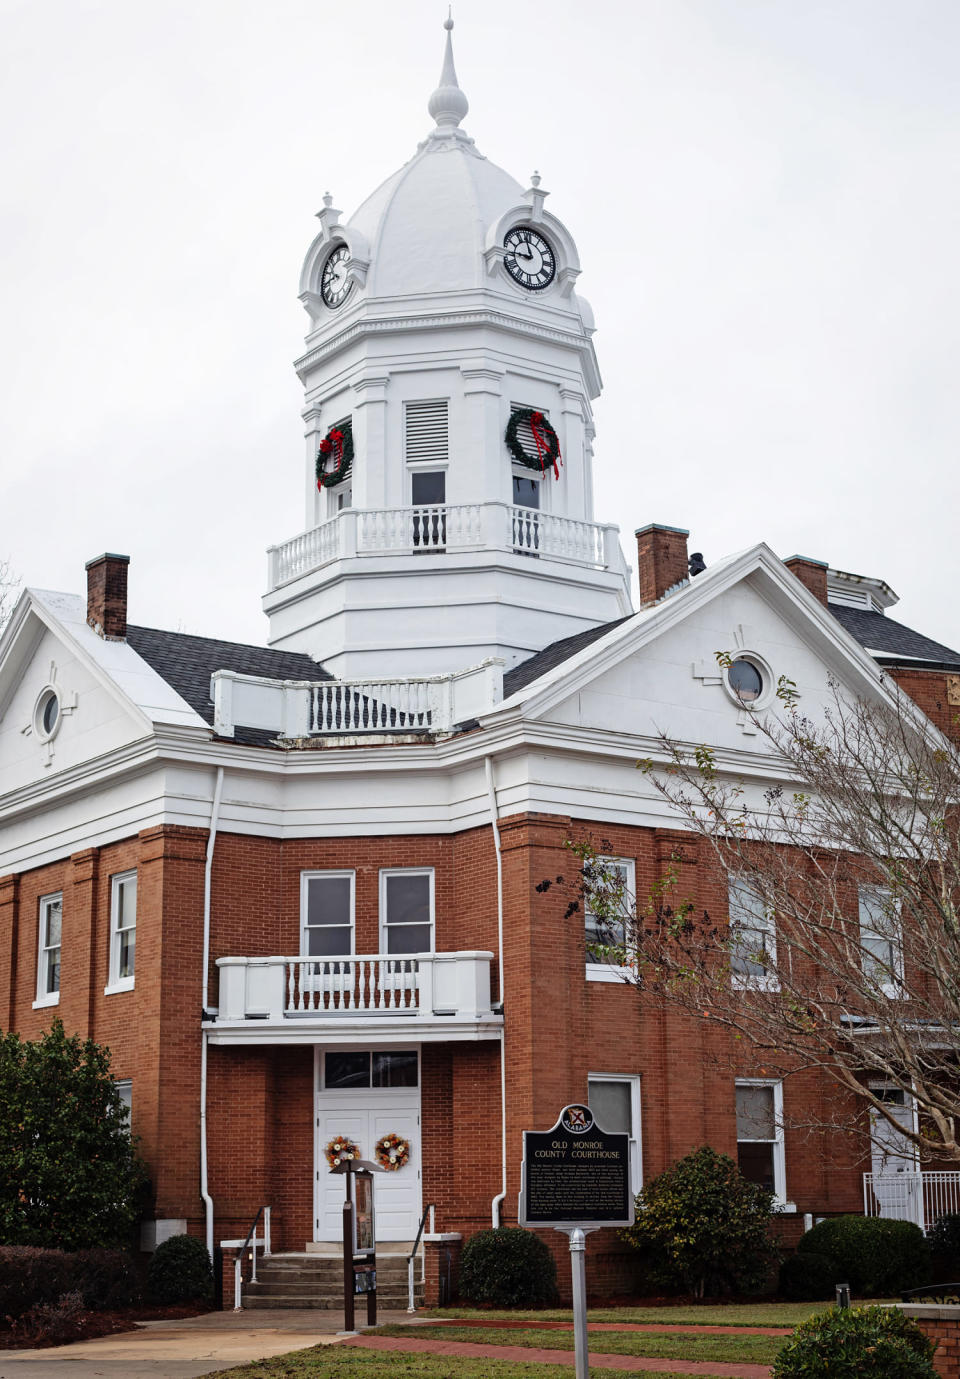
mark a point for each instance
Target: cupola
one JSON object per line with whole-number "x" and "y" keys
{"x": 443, "y": 320}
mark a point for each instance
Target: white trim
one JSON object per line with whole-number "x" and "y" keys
{"x": 605, "y": 971}
{"x": 44, "y": 997}
{"x": 779, "y": 1152}
{"x": 636, "y": 1121}
{"x": 305, "y": 878}
{"x": 115, "y": 982}
{"x": 384, "y": 927}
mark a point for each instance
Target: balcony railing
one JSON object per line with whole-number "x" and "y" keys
{"x": 445, "y": 527}
{"x": 912, "y": 1196}
{"x": 368, "y": 986}
{"x": 295, "y": 709}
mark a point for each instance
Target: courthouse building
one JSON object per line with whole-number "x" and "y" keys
{"x": 297, "y": 889}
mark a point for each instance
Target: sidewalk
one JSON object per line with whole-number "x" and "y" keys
{"x": 184, "y": 1348}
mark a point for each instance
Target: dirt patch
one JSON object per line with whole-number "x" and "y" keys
{"x": 94, "y": 1324}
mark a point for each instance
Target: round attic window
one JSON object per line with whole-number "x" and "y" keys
{"x": 745, "y": 681}
{"x": 46, "y": 715}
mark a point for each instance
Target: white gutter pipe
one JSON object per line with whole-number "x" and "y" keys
{"x": 497, "y": 1203}
{"x": 207, "y": 873}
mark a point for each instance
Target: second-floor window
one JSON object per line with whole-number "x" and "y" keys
{"x": 881, "y": 938}
{"x": 610, "y": 886}
{"x": 123, "y": 930}
{"x": 406, "y": 911}
{"x": 753, "y": 941}
{"x": 48, "y": 950}
{"x": 327, "y": 913}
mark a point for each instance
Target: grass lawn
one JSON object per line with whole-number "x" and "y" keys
{"x": 722, "y": 1314}
{"x": 343, "y": 1362}
{"x": 732, "y": 1349}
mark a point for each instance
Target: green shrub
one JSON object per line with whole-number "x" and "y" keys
{"x": 809, "y": 1277}
{"x": 875, "y": 1256}
{"x": 508, "y": 1267}
{"x": 30, "y": 1277}
{"x": 70, "y": 1177}
{"x": 180, "y": 1271}
{"x": 943, "y": 1238}
{"x": 858, "y": 1343}
{"x": 704, "y": 1227}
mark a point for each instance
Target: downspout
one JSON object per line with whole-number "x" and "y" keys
{"x": 497, "y": 1203}
{"x": 207, "y": 874}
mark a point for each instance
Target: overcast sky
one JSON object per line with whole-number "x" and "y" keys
{"x": 765, "y": 196}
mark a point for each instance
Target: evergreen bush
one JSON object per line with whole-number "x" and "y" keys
{"x": 876, "y": 1256}
{"x": 507, "y": 1267}
{"x": 180, "y": 1271}
{"x": 70, "y": 1176}
{"x": 943, "y": 1239}
{"x": 809, "y": 1277}
{"x": 857, "y": 1343}
{"x": 704, "y": 1227}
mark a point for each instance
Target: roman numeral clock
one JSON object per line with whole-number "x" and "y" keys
{"x": 529, "y": 258}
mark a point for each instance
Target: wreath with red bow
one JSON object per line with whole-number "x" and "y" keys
{"x": 336, "y": 446}
{"x": 544, "y": 438}
{"x": 392, "y": 1152}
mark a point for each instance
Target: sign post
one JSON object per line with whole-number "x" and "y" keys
{"x": 359, "y": 1238}
{"x": 575, "y": 1178}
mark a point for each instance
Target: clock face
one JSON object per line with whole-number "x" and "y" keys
{"x": 334, "y": 283}
{"x": 529, "y": 259}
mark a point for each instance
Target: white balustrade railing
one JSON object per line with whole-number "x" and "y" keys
{"x": 363, "y": 985}
{"x": 443, "y": 527}
{"x": 912, "y": 1196}
{"x": 308, "y": 708}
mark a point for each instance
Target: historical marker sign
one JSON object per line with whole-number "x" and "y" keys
{"x": 575, "y": 1175}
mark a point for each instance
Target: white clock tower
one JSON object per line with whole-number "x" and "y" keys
{"x": 443, "y": 307}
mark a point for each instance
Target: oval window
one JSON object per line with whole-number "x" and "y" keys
{"x": 46, "y": 716}
{"x": 745, "y": 681}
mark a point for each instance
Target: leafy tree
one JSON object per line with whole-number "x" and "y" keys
{"x": 9, "y": 586}
{"x": 70, "y": 1175}
{"x": 866, "y": 803}
{"x": 705, "y": 1227}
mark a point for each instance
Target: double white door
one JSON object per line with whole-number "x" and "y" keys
{"x": 364, "y": 1116}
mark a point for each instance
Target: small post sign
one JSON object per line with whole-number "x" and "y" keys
{"x": 576, "y": 1178}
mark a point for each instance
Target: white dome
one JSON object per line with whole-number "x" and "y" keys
{"x": 427, "y": 224}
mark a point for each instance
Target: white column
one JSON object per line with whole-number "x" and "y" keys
{"x": 572, "y": 443}
{"x": 480, "y": 462}
{"x": 372, "y": 484}
{"x": 313, "y": 434}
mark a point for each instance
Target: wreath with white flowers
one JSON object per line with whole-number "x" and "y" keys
{"x": 392, "y": 1152}
{"x": 340, "y": 1148}
{"x": 337, "y": 445}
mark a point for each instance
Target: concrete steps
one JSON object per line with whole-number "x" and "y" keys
{"x": 315, "y": 1280}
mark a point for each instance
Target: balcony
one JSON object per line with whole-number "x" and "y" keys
{"x": 912, "y": 1196}
{"x": 366, "y": 532}
{"x": 427, "y": 997}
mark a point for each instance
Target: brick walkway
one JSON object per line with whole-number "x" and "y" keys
{"x": 630, "y": 1364}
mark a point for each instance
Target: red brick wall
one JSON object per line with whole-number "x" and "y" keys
{"x": 936, "y": 693}
{"x": 940, "y": 1326}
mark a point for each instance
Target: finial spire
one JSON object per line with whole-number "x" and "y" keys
{"x": 448, "y": 104}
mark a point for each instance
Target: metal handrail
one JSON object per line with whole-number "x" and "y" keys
{"x": 263, "y": 1211}
{"x": 427, "y": 1211}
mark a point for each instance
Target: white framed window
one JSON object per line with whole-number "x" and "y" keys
{"x": 123, "y": 932}
{"x": 614, "y": 1099}
{"x": 124, "y": 1088}
{"x": 881, "y": 939}
{"x": 753, "y": 937}
{"x": 327, "y": 913}
{"x": 605, "y": 924}
{"x": 406, "y": 910}
{"x": 48, "y": 951}
{"x": 428, "y": 494}
{"x": 760, "y": 1151}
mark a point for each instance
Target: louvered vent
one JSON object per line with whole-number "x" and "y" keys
{"x": 525, "y": 431}
{"x": 426, "y": 432}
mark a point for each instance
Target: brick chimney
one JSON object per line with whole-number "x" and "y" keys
{"x": 107, "y": 596}
{"x": 811, "y": 573}
{"x": 661, "y": 560}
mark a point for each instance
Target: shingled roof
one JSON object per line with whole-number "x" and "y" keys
{"x": 187, "y": 662}
{"x": 890, "y": 642}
